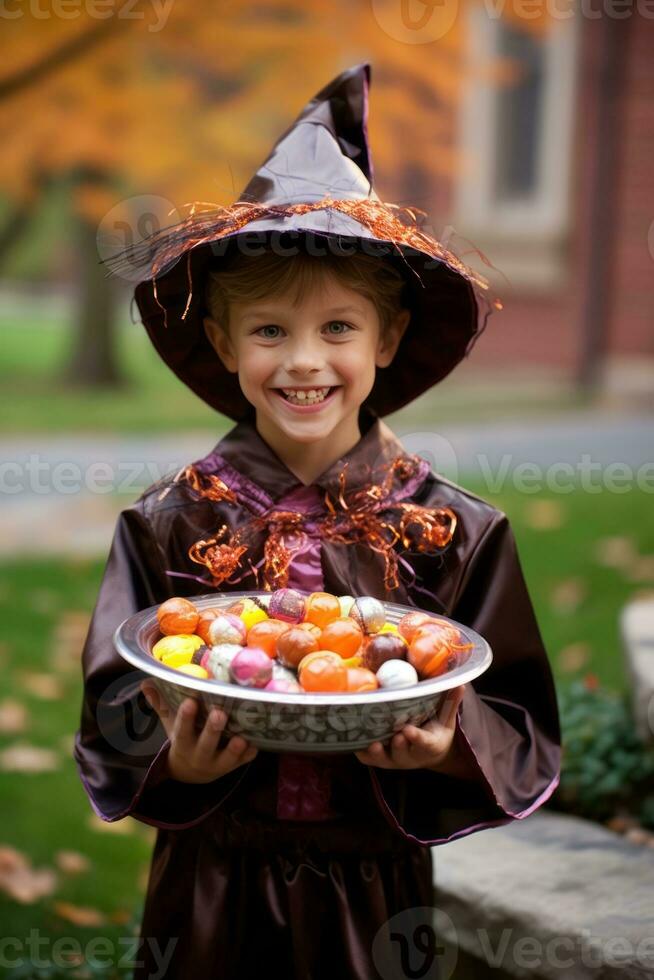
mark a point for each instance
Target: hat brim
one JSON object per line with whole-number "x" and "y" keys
{"x": 447, "y": 315}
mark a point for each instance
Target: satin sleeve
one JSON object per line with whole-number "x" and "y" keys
{"x": 507, "y": 725}
{"x": 121, "y": 747}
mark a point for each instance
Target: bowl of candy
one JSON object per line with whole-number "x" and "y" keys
{"x": 303, "y": 672}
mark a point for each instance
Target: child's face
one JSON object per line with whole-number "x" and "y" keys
{"x": 331, "y": 339}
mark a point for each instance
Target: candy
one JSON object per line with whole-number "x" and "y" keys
{"x": 397, "y": 673}
{"x": 361, "y": 679}
{"x": 251, "y": 667}
{"x": 177, "y": 615}
{"x": 345, "y": 602}
{"x": 324, "y": 673}
{"x": 226, "y": 628}
{"x": 321, "y": 608}
{"x": 265, "y": 635}
{"x": 343, "y": 636}
{"x": 249, "y": 611}
{"x": 368, "y": 613}
{"x": 288, "y": 605}
{"x": 180, "y": 644}
{"x": 205, "y": 617}
{"x": 382, "y": 647}
{"x": 199, "y": 654}
{"x": 283, "y": 686}
{"x": 281, "y": 673}
{"x": 217, "y": 660}
{"x": 411, "y": 621}
{"x": 194, "y": 670}
{"x": 294, "y": 644}
{"x": 431, "y": 654}
{"x": 389, "y": 628}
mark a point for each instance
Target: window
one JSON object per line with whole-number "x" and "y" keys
{"x": 512, "y": 192}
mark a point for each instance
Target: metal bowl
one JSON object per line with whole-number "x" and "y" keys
{"x": 299, "y": 722}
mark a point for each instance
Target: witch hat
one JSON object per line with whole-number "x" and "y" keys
{"x": 316, "y": 181}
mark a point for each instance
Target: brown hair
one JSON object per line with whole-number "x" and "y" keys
{"x": 254, "y": 277}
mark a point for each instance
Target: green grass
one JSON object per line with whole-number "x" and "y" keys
{"x": 34, "y": 353}
{"x": 44, "y": 813}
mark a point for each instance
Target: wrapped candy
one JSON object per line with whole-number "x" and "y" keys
{"x": 251, "y": 667}
{"x": 287, "y": 605}
{"x": 217, "y": 659}
{"x": 176, "y": 616}
{"x": 382, "y": 647}
{"x": 368, "y": 613}
{"x": 397, "y": 673}
{"x": 226, "y": 628}
{"x": 181, "y": 647}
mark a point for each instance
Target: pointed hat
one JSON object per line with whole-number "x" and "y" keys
{"x": 317, "y": 181}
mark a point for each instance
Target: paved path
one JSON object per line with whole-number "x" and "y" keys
{"x": 63, "y": 494}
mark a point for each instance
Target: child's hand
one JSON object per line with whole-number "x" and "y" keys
{"x": 428, "y": 747}
{"x": 193, "y": 756}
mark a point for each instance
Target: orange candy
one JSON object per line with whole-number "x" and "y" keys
{"x": 177, "y": 615}
{"x": 324, "y": 673}
{"x": 204, "y": 619}
{"x": 361, "y": 679}
{"x": 322, "y": 608}
{"x": 410, "y": 623}
{"x": 311, "y": 627}
{"x": 431, "y": 654}
{"x": 265, "y": 635}
{"x": 294, "y": 644}
{"x": 343, "y": 635}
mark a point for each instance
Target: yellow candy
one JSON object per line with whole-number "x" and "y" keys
{"x": 179, "y": 644}
{"x": 253, "y": 615}
{"x": 389, "y": 628}
{"x": 195, "y": 670}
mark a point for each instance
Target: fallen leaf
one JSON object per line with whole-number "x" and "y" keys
{"x": 124, "y": 826}
{"x": 121, "y": 917}
{"x": 615, "y": 552}
{"x": 20, "y": 880}
{"x": 68, "y": 640}
{"x": 21, "y": 757}
{"x": 72, "y": 862}
{"x": 568, "y": 595}
{"x": 574, "y": 657}
{"x": 79, "y": 915}
{"x": 45, "y": 686}
{"x": 641, "y": 569}
{"x": 13, "y": 716}
{"x": 544, "y": 515}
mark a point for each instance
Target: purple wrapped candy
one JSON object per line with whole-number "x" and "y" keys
{"x": 368, "y": 613}
{"x": 227, "y": 628}
{"x": 251, "y": 667}
{"x": 288, "y": 605}
{"x": 283, "y": 686}
{"x": 216, "y": 660}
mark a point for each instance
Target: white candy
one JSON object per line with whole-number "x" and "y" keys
{"x": 282, "y": 673}
{"x": 219, "y": 659}
{"x": 397, "y": 673}
{"x": 345, "y": 602}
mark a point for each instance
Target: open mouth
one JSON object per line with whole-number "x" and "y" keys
{"x": 308, "y": 400}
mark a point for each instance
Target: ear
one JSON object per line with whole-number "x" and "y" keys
{"x": 219, "y": 340}
{"x": 390, "y": 341}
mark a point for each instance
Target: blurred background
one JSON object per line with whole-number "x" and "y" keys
{"x": 525, "y": 132}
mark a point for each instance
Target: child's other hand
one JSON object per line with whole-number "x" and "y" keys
{"x": 193, "y": 756}
{"x": 427, "y": 747}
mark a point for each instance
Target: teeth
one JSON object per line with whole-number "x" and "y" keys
{"x": 309, "y": 397}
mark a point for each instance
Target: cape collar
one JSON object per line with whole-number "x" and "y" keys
{"x": 246, "y": 450}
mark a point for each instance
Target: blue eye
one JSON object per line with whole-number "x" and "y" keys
{"x": 269, "y": 326}
{"x": 342, "y": 323}
{"x": 273, "y": 326}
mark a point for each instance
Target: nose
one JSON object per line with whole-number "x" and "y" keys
{"x": 303, "y": 357}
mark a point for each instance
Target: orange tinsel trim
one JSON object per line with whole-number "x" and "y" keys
{"x": 388, "y": 222}
{"x": 355, "y": 516}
